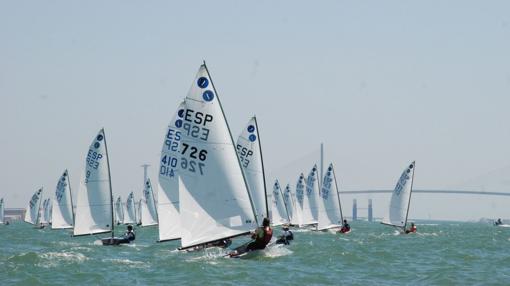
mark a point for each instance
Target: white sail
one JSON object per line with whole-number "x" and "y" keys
{"x": 130, "y": 215}
{"x": 169, "y": 220}
{"x": 62, "y": 214}
{"x": 32, "y": 210}
{"x": 148, "y": 206}
{"x": 400, "y": 199}
{"x": 330, "y": 214}
{"x": 250, "y": 155}
{"x": 45, "y": 212}
{"x": 299, "y": 201}
{"x": 94, "y": 212}
{"x": 278, "y": 212}
{"x": 2, "y": 211}
{"x": 139, "y": 212}
{"x": 287, "y": 200}
{"x": 215, "y": 202}
{"x": 312, "y": 193}
{"x": 119, "y": 211}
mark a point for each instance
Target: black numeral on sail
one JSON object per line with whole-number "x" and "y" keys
{"x": 202, "y": 154}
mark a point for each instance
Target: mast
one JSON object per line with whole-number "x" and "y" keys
{"x": 233, "y": 144}
{"x": 410, "y": 193}
{"x": 322, "y": 166}
{"x": 263, "y": 170}
{"x": 109, "y": 178}
{"x": 70, "y": 195}
{"x": 337, "y": 193}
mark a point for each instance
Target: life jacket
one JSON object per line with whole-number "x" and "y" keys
{"x": 268, "y": 234}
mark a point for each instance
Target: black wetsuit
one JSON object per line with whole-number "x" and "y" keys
{"x": 285, "y": 238}
{"x": 128, "y": 237}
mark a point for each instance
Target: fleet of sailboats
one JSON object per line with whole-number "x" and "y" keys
{"x": 209, "y": 189}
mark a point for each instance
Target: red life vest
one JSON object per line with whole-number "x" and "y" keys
{"x": 268, "y": 234}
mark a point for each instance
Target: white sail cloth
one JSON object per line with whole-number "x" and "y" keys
{"x": 330, "y": 213}
{"x": 94, "y": 213}
{"x": 32, "y": 211}
{"x": 401, "y": 199}
{"x": 62, "y": 214}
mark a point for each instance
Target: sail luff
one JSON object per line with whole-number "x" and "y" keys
{"x": 109, "y": 182}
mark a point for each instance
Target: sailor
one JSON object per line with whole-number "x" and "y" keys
{"x": 129, "y": 235}
{"x": 498, "y": 222}
{"x": 412, "y": 229}
{"x": 345, "y": 227}
{"x": 262, "y": 236}
{"x": 286, "y": 236}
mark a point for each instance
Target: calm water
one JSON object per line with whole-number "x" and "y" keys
{"x": 441, "y": 254}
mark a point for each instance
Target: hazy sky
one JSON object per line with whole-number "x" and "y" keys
{"x": 381, "y": 83}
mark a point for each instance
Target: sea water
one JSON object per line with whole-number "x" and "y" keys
{"x": 441, "y": 253}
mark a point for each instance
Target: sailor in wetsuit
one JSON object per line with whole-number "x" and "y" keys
{"x": 498, "y": 222}
{"x": 286, "y": 236}
{"x": 129, "y": 235}
{"x": 262, "y": 236}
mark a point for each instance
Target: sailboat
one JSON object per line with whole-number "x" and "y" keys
{"x": 63, "y": 215}
{"x": 147, "y": 213}
{"x": 94, "y": 206}
{"x": 32, "y": 214}
{"x": 297, "y": 219}
{"x": 2, "y": 211}
{"x": 279, "y": 214}
{"x": 330, "y": 213}
{"x": 312, "y": 194}
{"x": 169, "y": 220}
{"x": 119, "y": 211}
{"x": 401, "y": 200}
{"x": 130, "y": 214}
{"x": 289, "y": 202}
{"x": 45, "y": 214}
{"x": 250, "y": 154}
{"x": 214, "y": 197}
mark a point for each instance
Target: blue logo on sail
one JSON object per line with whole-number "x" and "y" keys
{"x": 178, "y": 123}
{"x": 203, "y": 82}
{"x": 251, "y": 128}
{"x": 208, "y": 95}
{"x": 253, "y": 138}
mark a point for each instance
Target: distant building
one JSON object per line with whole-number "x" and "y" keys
{"x": 11, "y": 215}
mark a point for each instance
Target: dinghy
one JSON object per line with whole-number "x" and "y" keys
{"x": 312, "y": 194}
{"x": 249, "y": 151}
{"x": 330, "y": 213}
{"x": 32, "y": 213}
{"x": 62, "y": 215}
{"x": 169, "y": 220}
{"x": 119, "y": 211}
{"x": 401, "y": 200}
{"x": 148, "y": 214}
{"x": 130, "y": 214}
{"x": 2, "y": 211}
{"x": 297, "y": 219}
{"x": 215, "y": 202}
{"x": 288, "y": 202}
{"x": 279, "y": 214}
{"x": 94, "y": 206}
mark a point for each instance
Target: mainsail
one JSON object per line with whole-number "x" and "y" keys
{"x": 62, "y": 214}
{"x": 330, "y": 214}
{"x": 312, "y": 194}
{"x": 299, "y": 202}
{"x": 130, "y": 216}
{"x": 94, "y": 212}
{"x": 288, "y": 201}
{"x": 250, "y": 154}
{"x": 45, "y": 212}
{"x": 32, "y": 211}
{"x": 119, "y": 211}
{"x": 401, "y": 199}
{"x": 2, "y": 210}
{"x": 279, "y": 214}
{"x": 148, "y": 206}
{"x": 215, "y": 201}
{"x": 169, "y": 221}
